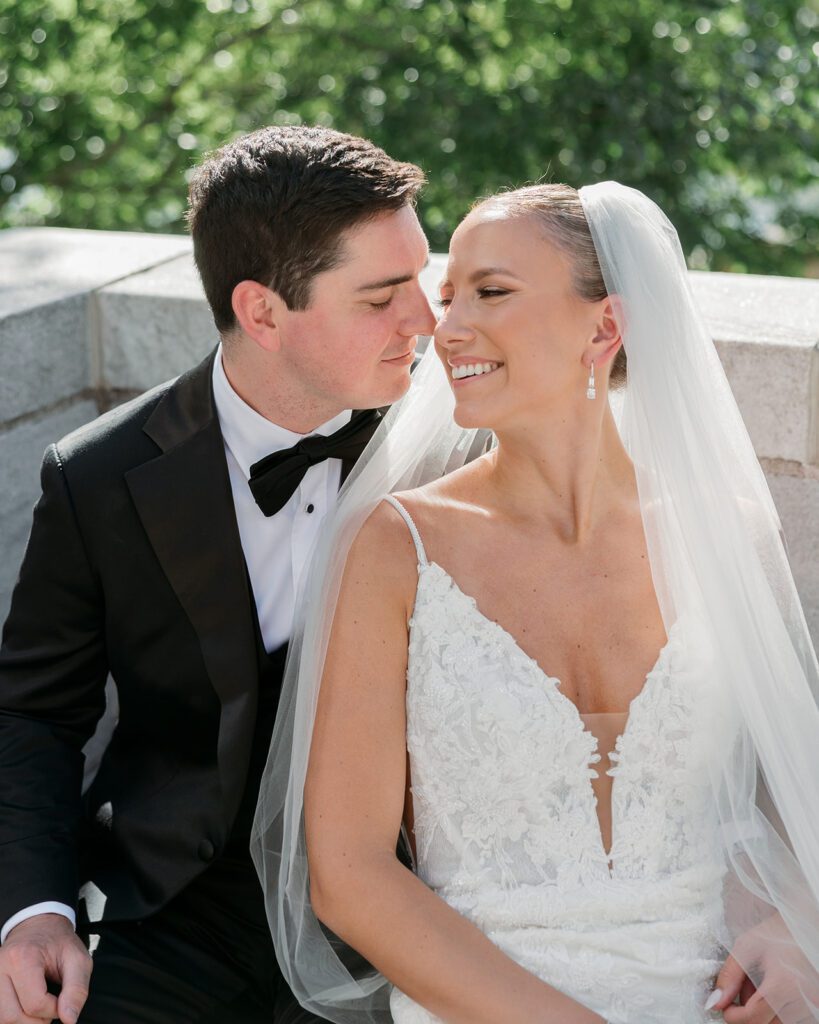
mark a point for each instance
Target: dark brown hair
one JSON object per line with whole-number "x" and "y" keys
{"x": 273, "y": 206}
{"x": 560, "y": 212}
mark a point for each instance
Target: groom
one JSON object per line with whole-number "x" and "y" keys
{"x": 167, "y": 549}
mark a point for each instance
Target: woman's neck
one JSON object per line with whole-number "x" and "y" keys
{"x": 569, "y": 471}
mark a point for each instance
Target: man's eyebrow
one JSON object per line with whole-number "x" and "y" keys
{"x": 389, "y": 282}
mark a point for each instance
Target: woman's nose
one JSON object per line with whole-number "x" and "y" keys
{"x": 451, "y": 329}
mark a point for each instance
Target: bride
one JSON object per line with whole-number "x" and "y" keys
{"x": 573, "y": 672}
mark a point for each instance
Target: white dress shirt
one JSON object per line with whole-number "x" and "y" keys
{"x": 277, "y": 548}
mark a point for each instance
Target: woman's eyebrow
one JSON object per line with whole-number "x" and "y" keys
{"x": 489, "y": 271}
{"x": 478, "y": 275}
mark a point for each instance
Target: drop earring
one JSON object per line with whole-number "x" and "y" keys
{"x": 591, "y": 391}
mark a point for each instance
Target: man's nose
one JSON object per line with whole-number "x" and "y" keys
{"x": 421, "y": 319}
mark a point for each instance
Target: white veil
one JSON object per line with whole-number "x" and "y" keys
{"x": 716, "y": 550}
{"x": 717, "y": 560}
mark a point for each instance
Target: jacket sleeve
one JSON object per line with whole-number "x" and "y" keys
{"x": 52, "y": 693}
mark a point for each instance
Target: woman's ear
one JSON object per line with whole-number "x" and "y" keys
{"x": 607, "y": 338}
{"x": 258, "y": 310}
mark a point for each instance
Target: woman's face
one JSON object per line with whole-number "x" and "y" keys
{"x": 509, "y": 307}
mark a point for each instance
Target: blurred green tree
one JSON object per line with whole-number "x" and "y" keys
{"x": 710, "y": 107}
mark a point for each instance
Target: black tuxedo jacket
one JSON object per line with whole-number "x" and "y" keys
{"x": 134, "y": 567}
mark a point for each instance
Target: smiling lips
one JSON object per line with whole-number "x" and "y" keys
{"x": 465, "y": 371}
{"x": 402, "y": 360}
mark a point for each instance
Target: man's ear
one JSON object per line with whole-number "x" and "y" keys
{"x": 607, "y": 339}
{"x": 259, "y": 312}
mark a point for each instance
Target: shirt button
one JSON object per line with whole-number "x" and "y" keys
{"x": 310, "y": 508}
{"x": 206, "y": 850}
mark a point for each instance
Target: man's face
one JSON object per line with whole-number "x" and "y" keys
{"x": 354, "y": 345}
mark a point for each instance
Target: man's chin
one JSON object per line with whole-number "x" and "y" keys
{"x": 387, "y": 393}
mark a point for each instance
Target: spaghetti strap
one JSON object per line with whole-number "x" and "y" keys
{"x": 413, "y": 529}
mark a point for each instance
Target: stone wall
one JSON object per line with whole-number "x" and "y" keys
{"x": 88, "y": 319}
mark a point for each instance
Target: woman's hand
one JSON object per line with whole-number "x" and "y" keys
{"x": 787, "y": 979}
{"x": 752, "y": 1009}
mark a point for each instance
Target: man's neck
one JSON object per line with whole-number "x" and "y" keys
{"x": 276, "y": 399}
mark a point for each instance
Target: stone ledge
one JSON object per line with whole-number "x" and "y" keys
{"x": 775, "y": 386}
{"x": 21, "y": 452}
{"x": 767, "y": 335}
{"x": 38, "y": 266}
{"x": 154, "y": 325}
{"x": 766, "y": 310}
{"x": 44, "y": 356}
{"x": 49, "y": 348}
{"x": 797, "y": 501}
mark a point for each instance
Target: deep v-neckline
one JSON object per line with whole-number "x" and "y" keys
{"x": 568, "y": 704}
{"x": 536, "y": 666}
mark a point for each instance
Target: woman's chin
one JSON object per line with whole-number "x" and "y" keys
{"x": 469, "y": 419}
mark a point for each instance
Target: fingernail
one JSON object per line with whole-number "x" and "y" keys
{"x": 713, "y": 999}
{"x": 71, "y": 1015}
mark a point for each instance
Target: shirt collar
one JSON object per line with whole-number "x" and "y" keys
{"x": 248, "y": 434}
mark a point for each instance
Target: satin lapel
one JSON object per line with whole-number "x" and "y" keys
{"x": 184, "y": 501}
{"x": 348, "y": 465}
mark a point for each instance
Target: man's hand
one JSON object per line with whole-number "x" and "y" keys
{"x": 40, "y": 949}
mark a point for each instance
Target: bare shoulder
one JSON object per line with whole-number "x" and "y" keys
{"x": 382, "y": 557}
{"x": 436, "y": 503}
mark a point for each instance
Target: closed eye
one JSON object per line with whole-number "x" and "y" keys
{"x": 483, "y": 293}
{"x": 381, "y": 305}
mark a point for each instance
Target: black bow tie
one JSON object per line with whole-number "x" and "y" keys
{"x": 274, "y": 479}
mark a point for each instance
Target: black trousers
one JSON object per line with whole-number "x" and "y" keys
{"x": 205, "y": 958}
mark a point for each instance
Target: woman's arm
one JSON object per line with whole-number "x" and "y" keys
{"x": 354, "y": 801}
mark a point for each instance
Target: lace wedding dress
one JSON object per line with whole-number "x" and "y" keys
{"x": 506, "y": 823}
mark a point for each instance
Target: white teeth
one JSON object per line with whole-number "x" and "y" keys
{"x": 473, "y": 370}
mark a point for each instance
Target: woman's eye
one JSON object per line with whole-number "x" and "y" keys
{"x": 483, "y": 293}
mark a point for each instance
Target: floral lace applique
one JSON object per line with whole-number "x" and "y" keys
{"x": 506, "y": 822}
